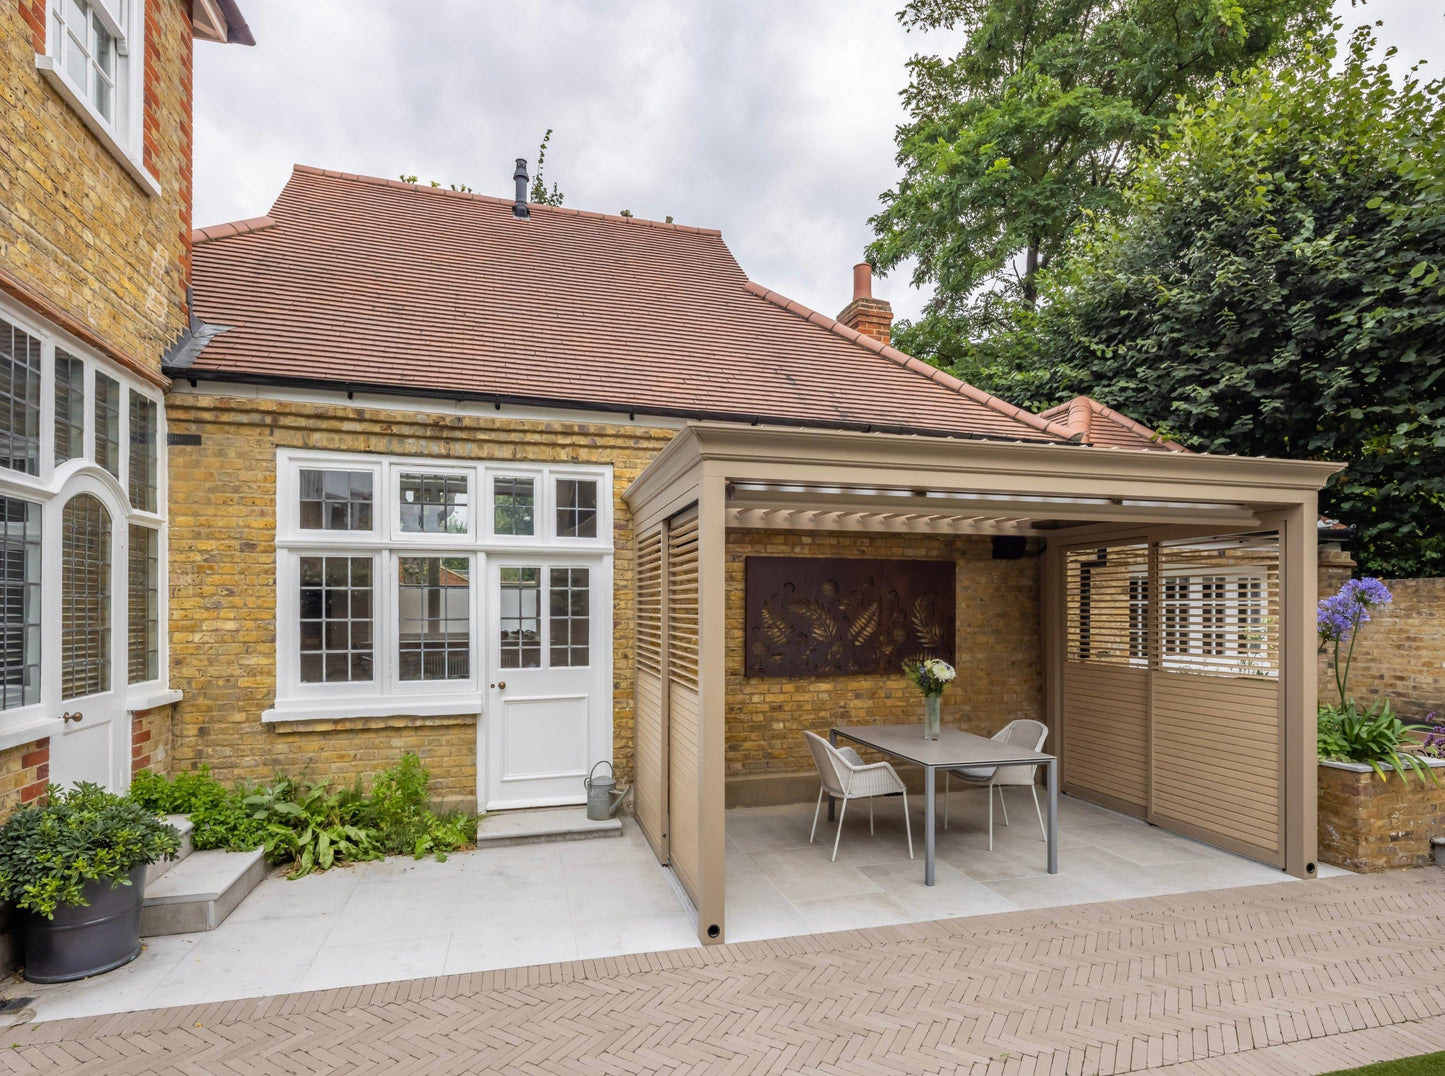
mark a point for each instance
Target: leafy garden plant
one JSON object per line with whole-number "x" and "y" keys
{"x": 219, "y": 814}
{"x": 1347, "y": 733}
{"x": 51, "y": 849}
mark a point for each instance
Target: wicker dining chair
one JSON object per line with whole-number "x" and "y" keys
{"x": 1021, "y": 733}
{"x": 844, "y": 775}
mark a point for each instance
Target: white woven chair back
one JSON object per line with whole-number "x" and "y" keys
{"x": 1024, "y": 733}
{"x": 830, "y": 768}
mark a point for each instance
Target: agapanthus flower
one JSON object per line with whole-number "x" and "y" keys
{"x": 1366, "y": 592}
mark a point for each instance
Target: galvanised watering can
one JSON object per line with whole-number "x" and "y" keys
{"x": 602, "y": 799}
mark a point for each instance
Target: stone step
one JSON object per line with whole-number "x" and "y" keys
{"x": 158, "y": 870}
{"x": 537, "y": 825}
{"x": 198, "y": 892}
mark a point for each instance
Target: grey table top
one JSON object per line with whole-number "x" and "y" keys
{"x": 954, "y": 747}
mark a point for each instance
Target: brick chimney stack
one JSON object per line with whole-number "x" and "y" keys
{"x": 865, "y": 314}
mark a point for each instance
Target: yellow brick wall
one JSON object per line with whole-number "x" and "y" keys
{"x": 76, "y": 227}
{"x": 223, "y": 578}
{"x": 24, "y": 772}
{"x": 997, "y": 638}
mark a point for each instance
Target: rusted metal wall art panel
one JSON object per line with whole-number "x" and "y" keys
{"x": 817, "y": 616}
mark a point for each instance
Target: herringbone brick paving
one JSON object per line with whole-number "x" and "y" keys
{"x": 1203, "y": 983}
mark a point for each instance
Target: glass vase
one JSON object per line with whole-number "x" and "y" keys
{"x": 931, "y": 717}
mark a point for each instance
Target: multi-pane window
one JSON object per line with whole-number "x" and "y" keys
{"x": 570, "y": 620}
{"x": 1138, "y": 617}
{"x": 87, "y": 50}
{"x": 19, "y": 400}
{"x": 433, "y": 503}
{"x": 143, "y": 636}
{"x": 20, "y": 595}
{"x": 576, "y": 508}
{"x": 1216, "y": 618}
{"x": 336, "y": 500}
{"x": 514, "y": 505}
{"x": 69, "y": 407}
{"x": 433, "y": 608}
{"x": 429, "y": 611}
{"x": 142, "y": 452}
{"x": 107, "y": 423}
{"x": 336, "y": 619}
{"x": 85, "y": 595}
{"x": 520, "y": 618}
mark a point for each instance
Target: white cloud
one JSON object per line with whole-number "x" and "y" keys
{"x": 773, "y": 121}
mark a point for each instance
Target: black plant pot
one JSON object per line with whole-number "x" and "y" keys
{"x": 85, "y": 940}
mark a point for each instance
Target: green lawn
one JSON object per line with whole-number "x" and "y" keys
{"x": 1424, "y": 1065}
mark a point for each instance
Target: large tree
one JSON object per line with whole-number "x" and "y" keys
{"x": 1273, "y": 286}
{"x": 1033, "y": 123}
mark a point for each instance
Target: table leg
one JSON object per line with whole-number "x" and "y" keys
{"x": 832, "y": 739}
{"x": 928, "y": 816}
{"x": 1053, "y": 775}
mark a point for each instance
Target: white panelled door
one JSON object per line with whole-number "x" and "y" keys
{"x": 92, "y": 745}
{"x": 546, "y": 717}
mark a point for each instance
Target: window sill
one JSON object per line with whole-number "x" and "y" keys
{"x": 98, "y": 127}
{"x": 396, "y": 706}
{"x": 30, "y": 732}
{"x": 150, "y": 699}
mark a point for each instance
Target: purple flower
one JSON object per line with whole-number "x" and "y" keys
{"x": 1341, "y": 614}
{"x": 1366, "y": 592}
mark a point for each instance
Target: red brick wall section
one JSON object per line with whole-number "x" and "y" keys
{"x": 33, "y": 12}
{"x": 150, "y": 740}
{"x": 24, "y": 773}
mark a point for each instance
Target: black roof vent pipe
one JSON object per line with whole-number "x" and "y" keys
{"x": 519, "y": 208}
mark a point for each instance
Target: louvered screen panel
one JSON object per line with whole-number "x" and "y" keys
{"x": 1106, "y": 676}
{"x": 650, "y": 800}
{"x": 1217, "y": 733}
{"x": 683, "y": 705}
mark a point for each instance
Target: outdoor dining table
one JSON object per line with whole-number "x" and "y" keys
{"x": 952, "y": 749}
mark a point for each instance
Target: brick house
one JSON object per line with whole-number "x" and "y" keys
{"x": 95, "y": 169}
{"x": 484, "y": 480}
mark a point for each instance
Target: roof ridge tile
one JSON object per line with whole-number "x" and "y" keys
{"x": 230, "y": 228}
{"x": 566, "y": 211}
{"x": 908, "y": 362}
{"x": 1118, "y": 418}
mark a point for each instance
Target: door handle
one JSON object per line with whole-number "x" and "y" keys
{"x": 499, "y": 684}
{"x": 68, "y": 718}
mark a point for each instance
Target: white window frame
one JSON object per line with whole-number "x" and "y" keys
{"x": 386, "y": 694}
{"x": 122, "y": 135}
{"x": 438, "y": 539}
{"x": 21, "y": 724}
{"x": 604, "y": 506}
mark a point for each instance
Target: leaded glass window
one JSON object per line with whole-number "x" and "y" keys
{"x": 336, "y": 500}
{"x": 433, "y": 504}
{"x": 576, "y": 508}
{"x": 336, "y": 619}
{"x": 520, "y": 614}
{"x": 570, "y": 622}
{"x": 20, "y": 594}
{"x": 514, "y": 505}
{"x": 19, "y": 400}
{"x": 69, "y": 407}
{"x": 85, "y": 593}
{"x": 107, "y": 423}
{"x": 142, "y": 452}
{"x": 433, "y": 601}
{"x": 143, "y": 606}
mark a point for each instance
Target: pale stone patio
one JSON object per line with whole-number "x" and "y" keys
{"x": 543, "y": 903}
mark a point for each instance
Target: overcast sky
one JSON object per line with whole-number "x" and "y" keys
{"x": 770, "y": 119}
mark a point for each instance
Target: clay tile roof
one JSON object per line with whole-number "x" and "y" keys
{"x": 1104, "y": 427}
{"x": 389, "y": 286}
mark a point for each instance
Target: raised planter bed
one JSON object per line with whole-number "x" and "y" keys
{"x": 1367, "y": 824}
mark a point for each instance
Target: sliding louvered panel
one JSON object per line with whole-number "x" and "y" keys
{"x": 683, "y": 704}
{"x": 1218, "y": 732}
{"x": 1106, "y": 676}
{"x": 649, "y": 702}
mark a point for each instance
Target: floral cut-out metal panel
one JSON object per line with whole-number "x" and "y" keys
{"x": 821, "y": 616}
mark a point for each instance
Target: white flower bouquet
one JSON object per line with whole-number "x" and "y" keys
{"x": 929, "y": 675}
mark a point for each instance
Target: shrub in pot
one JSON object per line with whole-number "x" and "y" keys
{"x": 73, "y": 865}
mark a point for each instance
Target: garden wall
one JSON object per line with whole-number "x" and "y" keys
{"x": 1400, "y": 654}
{"x": 1368, "y": 824}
